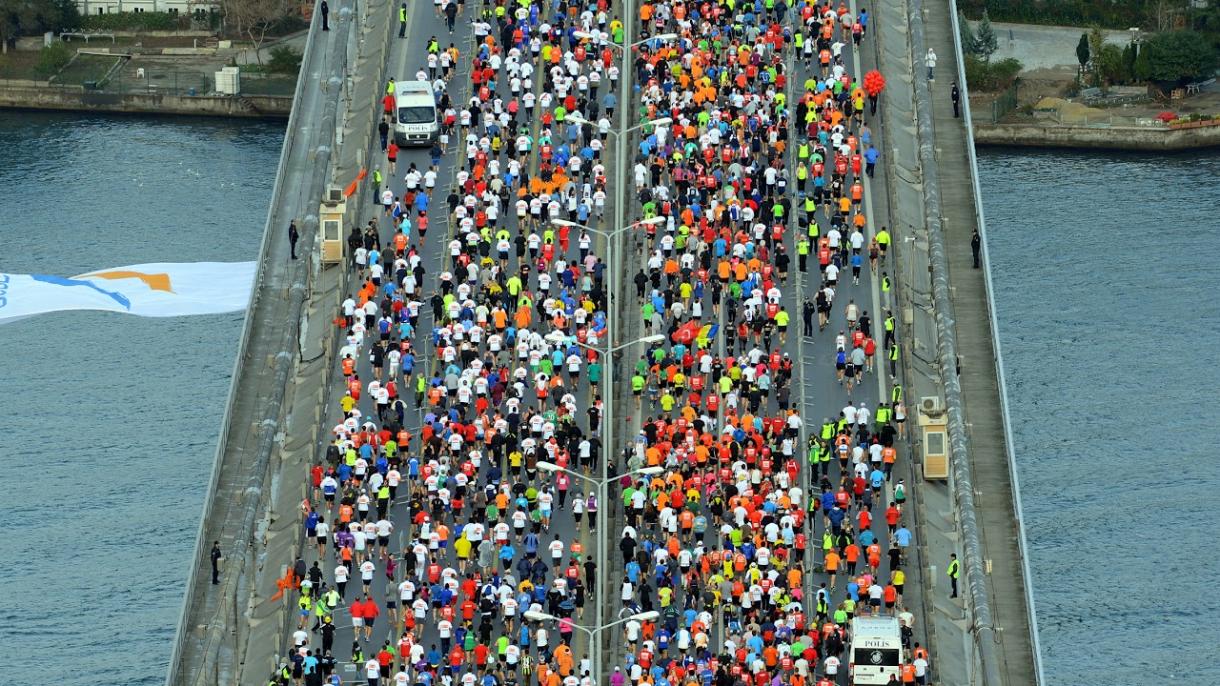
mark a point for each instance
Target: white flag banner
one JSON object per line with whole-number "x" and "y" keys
{"x": 162, "y": 289}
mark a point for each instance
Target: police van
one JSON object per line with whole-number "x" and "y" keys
{"x": 876, "y": 651}
{"x": 415, "y": 119}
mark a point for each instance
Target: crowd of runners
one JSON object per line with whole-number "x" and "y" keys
{"x": 748, "y": 535}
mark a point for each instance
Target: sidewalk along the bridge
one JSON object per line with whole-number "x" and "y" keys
{"x": 271, "y": 619}
{"x": 996, "y": 574}
{"x": 210, "y": 641}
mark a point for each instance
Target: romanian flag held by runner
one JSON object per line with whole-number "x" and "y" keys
{"x": 706, "y": 334}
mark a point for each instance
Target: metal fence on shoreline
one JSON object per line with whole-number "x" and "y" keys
{"x": 1005, "y": 103}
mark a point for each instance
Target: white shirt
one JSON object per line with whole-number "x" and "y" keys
{"x": 832, "y": 665}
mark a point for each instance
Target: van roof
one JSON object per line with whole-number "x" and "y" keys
{"x": 874, "y": 624}
{"x": 413, "y": 88}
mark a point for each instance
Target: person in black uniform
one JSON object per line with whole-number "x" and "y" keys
{"x": 216, "y": 555}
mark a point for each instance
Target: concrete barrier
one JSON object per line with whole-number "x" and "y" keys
{"x": 77, "y": 99}
{"x": 1108, "y": 138}
{"x": 188, "y": 51}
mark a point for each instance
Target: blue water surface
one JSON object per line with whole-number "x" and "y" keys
{"x": 1106, "y": 272}
{"x": 110, "y": 422}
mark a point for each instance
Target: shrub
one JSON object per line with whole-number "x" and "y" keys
{"x": 284, "y": 60}
{"x": 135, "y": 21}
{"x": 52, "y": 59}
{"x": 991, "y": 76}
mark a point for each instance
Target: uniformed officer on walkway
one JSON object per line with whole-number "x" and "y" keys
{"x": 216, "y": 555}
{"x": 293, "y": 237}
{"x": 954, "y": 571}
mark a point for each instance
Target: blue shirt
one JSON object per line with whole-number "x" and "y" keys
{"x": 828, "y": 501}
{"x": 903, "y": 537}
{"x": 877, "y": 478}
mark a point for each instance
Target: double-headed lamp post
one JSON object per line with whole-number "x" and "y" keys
{"x": 616, "y": 270}
{"x": 612, "y": 291}
{"x": 620, "y": 157}
{"x": 594, "y": 633}
{"x": 602, "y": 500}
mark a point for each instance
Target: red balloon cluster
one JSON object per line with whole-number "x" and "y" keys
{"x": 874, "y": 83}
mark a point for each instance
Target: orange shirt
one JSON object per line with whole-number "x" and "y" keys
{"x": 832, "y": 561}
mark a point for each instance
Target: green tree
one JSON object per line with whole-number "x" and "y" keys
{"x": 985, "y": 41}
{"x": 1129, "y": 54}
{"x": 1143, "y": 68}
{"x": 52, "y": 59}
{"x": 1096, "y": 41}
{"x": 30, "y": 17}
{"x": 1082, "y": 51}
{"x": 965, "y": 35}
{"x": 1176, "y": 57}
{"x": 1108, "y": 65}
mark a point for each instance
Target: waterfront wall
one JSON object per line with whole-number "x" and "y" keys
{"x": 1108, "y": 138}
{"x": 35, "y": 95}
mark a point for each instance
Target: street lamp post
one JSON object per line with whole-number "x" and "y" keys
{"x": 620, "y": 204}
{"x": 601, "y": 485}
{"x": 611, "y": 315}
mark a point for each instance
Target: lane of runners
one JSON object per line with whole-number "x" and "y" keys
{"x": 469, "y": 357}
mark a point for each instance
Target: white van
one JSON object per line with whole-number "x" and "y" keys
{"x": 876, "y": 650}
{"x": 415, "y": 120}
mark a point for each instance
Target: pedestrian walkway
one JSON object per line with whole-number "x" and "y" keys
{"x": 980, "y": 386}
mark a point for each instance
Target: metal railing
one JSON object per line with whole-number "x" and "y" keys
{"x": 1103, "y": 120}
{"x": 1022, "y": 542}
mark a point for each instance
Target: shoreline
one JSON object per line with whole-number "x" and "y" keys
{"x": 33, "y": 95}
{"x": 1128, "y": 138}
